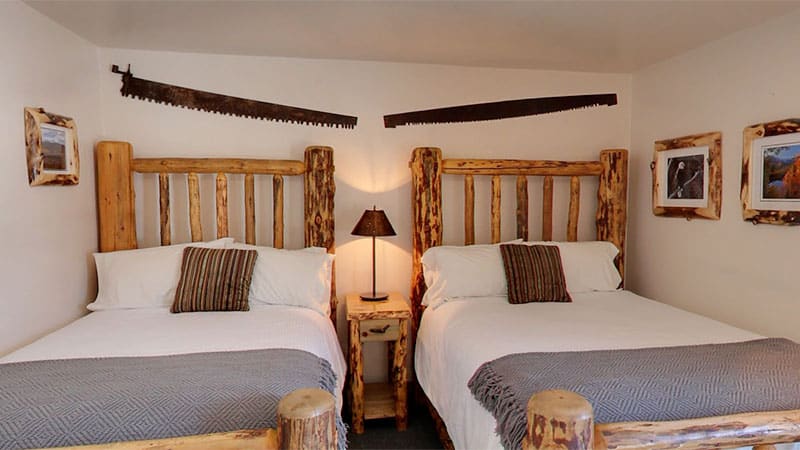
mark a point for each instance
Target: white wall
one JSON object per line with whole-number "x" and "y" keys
{"x": 371, "y": 162}
{"x": 731, "y": 270}
{"x": 48, "y": 233}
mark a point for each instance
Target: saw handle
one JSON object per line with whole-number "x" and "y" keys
{"x": 115, "y": 69}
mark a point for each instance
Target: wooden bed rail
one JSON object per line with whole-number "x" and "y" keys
{"x": 428, "y": 166}
{"x": 306, "y": 420}
{"x": 565, "y": 420}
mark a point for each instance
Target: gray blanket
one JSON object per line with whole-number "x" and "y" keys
{"x": 100, "y": 400}
{"x": 650, "y": 384}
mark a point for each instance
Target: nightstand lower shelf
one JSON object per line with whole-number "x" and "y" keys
{"x": 378, "y": 401}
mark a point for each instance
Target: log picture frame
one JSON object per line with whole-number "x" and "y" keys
{"x": 687, "y": 176}
{"x": 51, "y": 143}
{"x": 771, "y": 173}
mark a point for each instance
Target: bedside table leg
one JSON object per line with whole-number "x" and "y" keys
{"x": 356, "y": 379}
{"x": 400, "y": 377}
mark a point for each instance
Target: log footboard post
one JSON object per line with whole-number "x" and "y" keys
{"x": 559, "y": 420}
{"x": 307, "y": 420}
{"x": 426, "y": 216}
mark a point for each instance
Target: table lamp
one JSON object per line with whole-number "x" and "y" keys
{"x": 373, "y": 223}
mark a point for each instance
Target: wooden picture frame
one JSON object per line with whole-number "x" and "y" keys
{"x": 687, "y": 176}
{"x": 771, "y": 173}
{"x": 51, "y": 143}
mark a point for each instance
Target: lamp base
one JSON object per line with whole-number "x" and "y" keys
{"x": 374, "y": 297}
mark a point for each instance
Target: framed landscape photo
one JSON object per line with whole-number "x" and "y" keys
{"x": 771, "y": 173}
{"x": 687, "y": 176}
{"x": 51, "y": 144}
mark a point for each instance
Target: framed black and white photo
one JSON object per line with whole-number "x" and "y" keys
{"x": 687, "y": 176}
{"x": 771, "y": 173}
{"x": 51, "y": 145}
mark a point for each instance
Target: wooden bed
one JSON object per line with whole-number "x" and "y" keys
{"x": 305, "y": 416}
{"x": 563, "y": 419}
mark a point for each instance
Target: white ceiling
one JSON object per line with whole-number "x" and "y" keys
{"x": 596, "y": 36}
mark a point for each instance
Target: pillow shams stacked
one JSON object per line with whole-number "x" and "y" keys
{"x": 141, "y": 278}
{"x": 477, "y": 271}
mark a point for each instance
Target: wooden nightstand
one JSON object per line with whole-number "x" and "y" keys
{"x": 387, "y": 321}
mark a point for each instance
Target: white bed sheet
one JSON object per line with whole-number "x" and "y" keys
{"x": 455, "y": 338}
{"x": 157, "y": 332}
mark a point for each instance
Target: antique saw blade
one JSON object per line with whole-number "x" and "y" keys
{"x": 499, "y": 110}
{"x": 224, "y": 104}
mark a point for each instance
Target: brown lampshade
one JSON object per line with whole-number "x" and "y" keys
{"x": 373, "y": 223}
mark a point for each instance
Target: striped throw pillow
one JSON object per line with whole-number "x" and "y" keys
{"x": 534, "y": 274}
{"x": 214, "y": 280}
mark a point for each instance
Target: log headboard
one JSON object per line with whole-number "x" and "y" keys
{"x": 427, "y": 168}
{"x": 116, "y": 213}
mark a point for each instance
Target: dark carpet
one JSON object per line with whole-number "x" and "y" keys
{"x": 383, "y": 434}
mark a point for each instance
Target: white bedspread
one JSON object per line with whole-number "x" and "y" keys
{"x": 458, "y": 336}
{"x": 156, "y": 332}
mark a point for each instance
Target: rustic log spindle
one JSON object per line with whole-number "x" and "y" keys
{"x": 222, "y": 205}
{"x": 495, "y": 209}
{"x": 163, "y": 205}
{"x": 522, "y": 207}
{"x": 574, "y": 208}
{"x": 469, "y": 210}
{"x": 307, "y": 420}
{"x": 194, "y": 208}
{"x": 277, "y": 211}
{"x": 547, "y": 208}
{"x": 249, "y": 209}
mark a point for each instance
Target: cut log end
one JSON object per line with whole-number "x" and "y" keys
{"x": 307, "y": 420}
{"x": 559, "y": 420}
{"x": 306, "y": 403}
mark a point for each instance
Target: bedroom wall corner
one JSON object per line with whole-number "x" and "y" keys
{"x": 729, "y": 270}
{"x": 47, "y": 233}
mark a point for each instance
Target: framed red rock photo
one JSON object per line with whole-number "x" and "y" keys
{"x": 771, "y": 173}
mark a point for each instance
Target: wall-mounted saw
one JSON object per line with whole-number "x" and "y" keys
{"x": 499, "y": 110}
{"x": 224, "y": 104}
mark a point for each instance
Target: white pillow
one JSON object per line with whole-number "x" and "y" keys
{"x": 292, "y": 277}
{"x": 141, "y": 278}
{"x": 588, "y": 265}
{"x": 463, "y": 271}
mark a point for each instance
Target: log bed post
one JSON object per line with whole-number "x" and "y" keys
{"x": 612, "y": 202}
{"x": 115, "y": 196}
{"x": 559, "y": 420}
{"x": 307, "y": 420}
{"x": 319, "y": 221}
{"x": 426, "y": 217}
